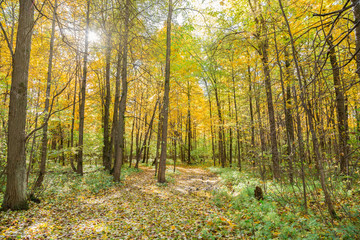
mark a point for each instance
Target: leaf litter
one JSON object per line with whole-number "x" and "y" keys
{"x": 136, "y": 209}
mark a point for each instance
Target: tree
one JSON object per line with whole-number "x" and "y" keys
{"x": 119, "y": 158}
{"x": 15, "y": 196}
{"x": 44, "y": 141}
{"x": 165, "y": 107}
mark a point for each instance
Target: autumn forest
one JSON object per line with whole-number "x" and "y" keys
{"x": 175, "y": 119}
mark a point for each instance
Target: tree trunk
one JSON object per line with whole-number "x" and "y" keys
{"x": 158, "y": 141}
{"x": 44, "y": 141}
{"x": 188, "y": 127}
{"x": 73, "y": 116}
{"x": 230, "y": 135}
{"x": 165, "y": 109}
{"x": 107, "y": 141}
{"x": 356, "y": 10}
{"x": 15, "y": 193}
{"x": 287, "y": 110}
{"x": 83, "y": 96}
{"x": 301, "y": 147}
{"x": 221, "y": 128}
{"x": 340, "y": 110}
{"x": 115, "y": 123}
{"x": 143, "y": 147}
{"x": 119, "y": 158}
{"x": 131, "y": 143}
{"x": 318, "y": 157}
{"x": 264, "y": 45}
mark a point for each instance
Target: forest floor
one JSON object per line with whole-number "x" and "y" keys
{"x": 139, "y": 208}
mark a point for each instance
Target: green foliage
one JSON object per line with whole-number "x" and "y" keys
{"x": 279, "y": 215}
{"x": 62, "y": 181}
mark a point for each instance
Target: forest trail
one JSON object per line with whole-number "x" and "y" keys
{"x": 138, "y": 209}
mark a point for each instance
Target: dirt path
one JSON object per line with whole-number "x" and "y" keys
{"x": 138, "y": 209}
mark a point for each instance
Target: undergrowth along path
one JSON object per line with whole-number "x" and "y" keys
{"x": 139, "y": 208}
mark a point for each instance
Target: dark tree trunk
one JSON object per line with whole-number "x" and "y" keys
{"x": 107, "y": 142}
{"x": 301, "y": 147}
{"x": 78, "y": 66}
{"x": 251, "y": 109}
{"x": 158, "y": 142}
{"x": 356, "y": 10}
{"x": 230, "y": 136}
{"x": 287, "y": 110}
{"x": 131, "y": 143}
{"x": 188, "y": 127}
{"x": 83, "y": 96}
{"x": 340, "y": 110}
{"x": 119, "y": 158}
{"x": 237, "y": 120}
{"x": 115, "y": 123}
{"x": 15, "y": 193}
{"x": 273, "y": 138}
{"x": 165, "y": 109}
{"x": 221, "y": 128}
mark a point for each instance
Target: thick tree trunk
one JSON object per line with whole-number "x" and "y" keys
{"x": 165, "y": 109}
{"x": 15, "y": 193}
{"x": 119, "y": 158}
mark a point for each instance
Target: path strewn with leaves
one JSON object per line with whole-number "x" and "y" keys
{"x": 137, "y": 209}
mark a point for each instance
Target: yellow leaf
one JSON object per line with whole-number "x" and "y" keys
{"x": 173, "y": 227}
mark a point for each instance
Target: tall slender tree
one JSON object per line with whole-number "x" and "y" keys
{"x": 165, "y": 107}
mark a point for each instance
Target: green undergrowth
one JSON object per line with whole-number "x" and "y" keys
{"x": 61, "y": 182}
{"x": 281, "y": 214}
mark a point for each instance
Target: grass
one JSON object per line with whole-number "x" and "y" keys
{"x": 61, "y": 182}
{"x": 281, "y": 214}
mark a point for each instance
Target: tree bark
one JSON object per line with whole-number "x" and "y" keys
{"x": 340, "y": 110}
{"x": 15, "y": 193}
{"x": 44, "y": 141}
{"x": 273, "y": 138}
{"x": 318, "y": 157}
{"x": 119, "y": 158}
{"x": 107, "y": 141}
{"x": 165, "y": 109}
{"x": 356, "y": 11}
{"x": 80, "y": 152}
